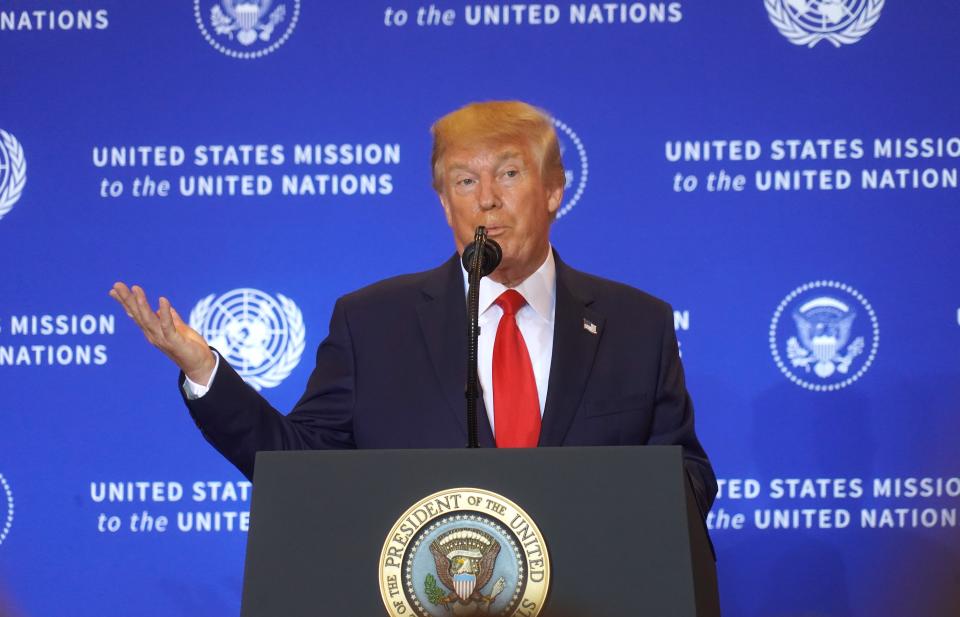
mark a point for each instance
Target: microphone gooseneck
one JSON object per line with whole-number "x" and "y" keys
{"x": 480, "y": 258}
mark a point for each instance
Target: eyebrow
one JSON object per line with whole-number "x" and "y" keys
{"x": 509, "y": 154}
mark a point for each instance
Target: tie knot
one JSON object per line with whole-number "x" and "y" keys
{"x": 511, "y": 301}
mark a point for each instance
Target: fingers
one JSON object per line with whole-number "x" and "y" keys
{"x": 164, "y": 329}
{"x": 148, "y": 320}
{"x": 166, "y": 319}
{"x": 135, "y": 303}
{"x": 121, "y": 294}
{"x": 127, "y": 298}
{"x": 116, "y": 296}
{"x": 177, "y": 320}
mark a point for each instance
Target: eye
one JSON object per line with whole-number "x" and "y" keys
{"x": 511, "y": 174}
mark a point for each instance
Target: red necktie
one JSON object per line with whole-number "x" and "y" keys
{"x": 516, "y": 405}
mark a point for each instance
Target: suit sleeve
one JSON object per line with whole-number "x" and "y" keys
{"x": 673, "y": 418}
{"x": 239, "y": 422}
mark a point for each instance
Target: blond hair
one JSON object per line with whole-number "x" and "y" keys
{"x": 493, "y": 122}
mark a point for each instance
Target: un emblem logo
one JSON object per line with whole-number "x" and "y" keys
{"x": 807, "y": 22}
{"x": 248, "y": 28}
{"x": 262, "y": 337}
{"x": 6, "y": 508}
{"x": 13, "y": 171}
{"x": 576, "y": 173}
{"x": 464, "y": 551}
{"x": 824, "y": 336}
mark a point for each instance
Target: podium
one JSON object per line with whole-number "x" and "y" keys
{"x": 563, "y": 532}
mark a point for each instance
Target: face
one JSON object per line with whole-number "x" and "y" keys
{"x": 500, "y": 187}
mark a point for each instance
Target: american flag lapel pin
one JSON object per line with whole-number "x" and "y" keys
{"x": 589, "y": 326}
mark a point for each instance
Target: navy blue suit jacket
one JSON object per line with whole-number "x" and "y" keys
{"x": 391, "y": 374}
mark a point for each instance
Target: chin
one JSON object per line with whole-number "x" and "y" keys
{"x": 505, "y": 266}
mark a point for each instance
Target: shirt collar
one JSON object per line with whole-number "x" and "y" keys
{"x": 539, "y": 289}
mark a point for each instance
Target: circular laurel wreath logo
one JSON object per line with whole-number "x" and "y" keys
{"x": 8, "y": 499}
{"x": 262, "y": 337}
{"x": 807, "y": 22}
{"x": 572, "y": 176}
{"x": 245, "y": 29}
{"x": 823, "y": 343}
{"x": 13, "y": 171}
{"x": 464, "y": 551}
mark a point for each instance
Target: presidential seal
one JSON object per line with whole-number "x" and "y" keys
{"x": 262, "y": 337}
{"x": 245, "y": 28}
{"x": 6, "y": 508}
{"x": 464, "y": 551}
{"x": 830, "y": 339}
{"x": 576, "y": 172}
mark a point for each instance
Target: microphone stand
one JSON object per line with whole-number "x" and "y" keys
{"x": 473, "y": 334}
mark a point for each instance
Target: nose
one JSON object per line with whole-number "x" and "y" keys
{"x": 489, "y": 195}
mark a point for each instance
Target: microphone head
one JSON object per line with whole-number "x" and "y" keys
{"x": 492, "y": 254}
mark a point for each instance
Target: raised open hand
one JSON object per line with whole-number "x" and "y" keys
{"x": 167, "y": 332}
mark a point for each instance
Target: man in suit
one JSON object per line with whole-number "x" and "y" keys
{"x": 565, "y": 358}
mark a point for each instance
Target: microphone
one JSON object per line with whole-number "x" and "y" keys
{"x": 492, "y": 254}
{"x": 480, "y": 258}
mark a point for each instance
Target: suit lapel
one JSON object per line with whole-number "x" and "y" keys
{"x": 574, "y": 348}
{"x": 443, "y": 322}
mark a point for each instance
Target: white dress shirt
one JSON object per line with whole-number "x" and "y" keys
{"x": 535, "y": 320}
{"x": 193, "y": 390}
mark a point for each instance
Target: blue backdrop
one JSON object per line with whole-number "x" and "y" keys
{"x": 784, "y": 172}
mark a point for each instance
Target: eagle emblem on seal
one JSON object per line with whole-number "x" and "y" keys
{"x": 465, "y": 560}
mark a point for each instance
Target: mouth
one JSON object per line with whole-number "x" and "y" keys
{"x": 494, "y": 231}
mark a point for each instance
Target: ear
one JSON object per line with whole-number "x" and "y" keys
{"x": 554, "y": 198}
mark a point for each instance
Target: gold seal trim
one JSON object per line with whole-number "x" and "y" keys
{"x": 474, "y": 508}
